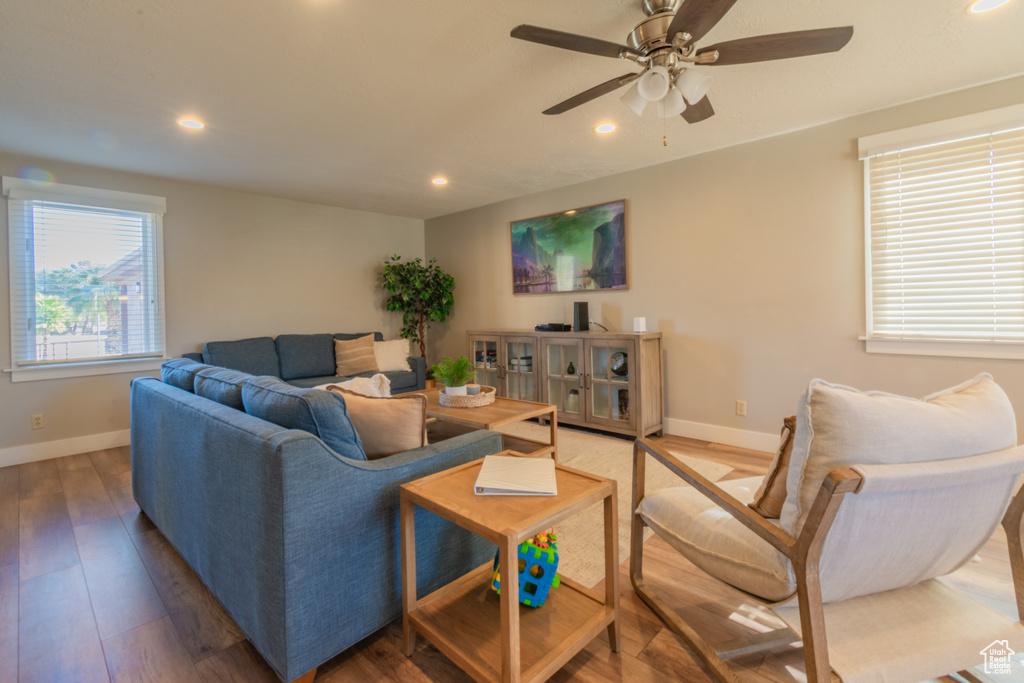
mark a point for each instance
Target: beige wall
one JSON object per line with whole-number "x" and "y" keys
{"x": 237, "y": 265}
{"x": 749, "y": 260}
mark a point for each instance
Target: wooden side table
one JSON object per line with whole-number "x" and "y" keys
{"x": 491, "y": 637}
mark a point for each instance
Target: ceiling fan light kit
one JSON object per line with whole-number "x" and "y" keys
{"x": 665, "y": 42}
{"x": 671, "y": 104}
{"x": 653, "y": 85}
{"x": 634, "y": 100}
{"x": 694, "y": 85}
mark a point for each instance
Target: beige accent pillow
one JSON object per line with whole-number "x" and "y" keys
{"x": 354, "y": 357}
{"x": 772, "y": 493}
{"x": 392, "y": 356}
{"x": 838, "y": 427}
{"x": 387, "y": 425}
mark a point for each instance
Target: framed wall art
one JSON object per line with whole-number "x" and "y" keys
{"x": 578, "y": 250}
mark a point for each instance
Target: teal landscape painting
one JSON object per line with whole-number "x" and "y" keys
{"x": 582, "y": 249}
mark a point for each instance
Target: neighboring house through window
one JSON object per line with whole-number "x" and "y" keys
{"x": 944, "y": 241}
{"x": 86, "y": 270}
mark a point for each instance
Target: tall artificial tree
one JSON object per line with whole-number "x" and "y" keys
{"x": 421, "y": 293}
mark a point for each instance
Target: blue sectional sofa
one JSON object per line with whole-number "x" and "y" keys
{"x": 304, "y": 360}
{"x": 262, "y": 487}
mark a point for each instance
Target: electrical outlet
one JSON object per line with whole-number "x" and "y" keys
{"x": 37, "y": 421}
{"x": 741, "y": 408}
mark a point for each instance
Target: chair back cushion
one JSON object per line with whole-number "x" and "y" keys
{"x": 920, "y": 529}
{"x": 838, "y": 427}
{"x": 912, "y": 522}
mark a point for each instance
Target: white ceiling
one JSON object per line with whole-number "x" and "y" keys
{"x": 359, "y": 103}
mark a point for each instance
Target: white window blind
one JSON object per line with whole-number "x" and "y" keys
{"x": 945, "y": 240}
{"x": 86, "y": 278}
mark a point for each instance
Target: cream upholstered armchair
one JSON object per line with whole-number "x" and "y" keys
{"x": 882, "y": 495}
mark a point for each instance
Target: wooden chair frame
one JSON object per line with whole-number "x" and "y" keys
{"x": 803, "y": 551}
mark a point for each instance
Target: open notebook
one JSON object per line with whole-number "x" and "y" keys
{"x": 508, "y": 475}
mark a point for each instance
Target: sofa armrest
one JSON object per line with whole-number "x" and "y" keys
{"x": 197, "y": 357}
{"x": 419, "y": 366}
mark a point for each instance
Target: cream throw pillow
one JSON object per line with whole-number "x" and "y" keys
{"x": 392, "y": 356}
{"x": 387, "y": 425}
{"x": 838, "y": 427}
{"x": 354, "y": 357}
{"x": 772, "y": 493}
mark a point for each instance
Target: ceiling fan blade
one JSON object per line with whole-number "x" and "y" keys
{"x": 571, "y": 41}
{"x": 780, "y": 46}
{"x": 592, "y": 93}
{"x": 697, "y": 17}
{"x": 695, "y": 113}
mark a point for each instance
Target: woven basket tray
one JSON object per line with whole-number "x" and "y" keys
{"x": 485, "y": 397}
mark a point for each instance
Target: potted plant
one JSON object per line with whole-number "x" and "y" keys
{"x": 454, "y": 373}
{"x": 420, "y": 292}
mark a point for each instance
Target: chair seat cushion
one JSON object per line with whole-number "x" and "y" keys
{"x": 716, "y": 541}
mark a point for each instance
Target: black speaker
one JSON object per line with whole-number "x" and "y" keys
{"x": 580, "y": 317}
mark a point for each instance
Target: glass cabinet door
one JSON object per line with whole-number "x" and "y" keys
{"x": 519, "y": 375}
{"x": 609, "y": 384}
{"x": 485, "y": 361}
{"x": 564, "y": 376}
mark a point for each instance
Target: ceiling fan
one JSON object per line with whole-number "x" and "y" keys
{"x": 664, "y": 44}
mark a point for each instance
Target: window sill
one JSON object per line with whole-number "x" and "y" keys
{"x": 949, "y": 349}
{"x": 63, "y": 371}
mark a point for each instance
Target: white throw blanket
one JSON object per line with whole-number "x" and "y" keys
{"x": 377, "y": 386}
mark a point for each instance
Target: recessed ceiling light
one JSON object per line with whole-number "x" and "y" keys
{"x": 605, "y": 128}
{"x": 190, "y": 123}
{"x": 440, "y": 181}
{"x": 987, "y": 5}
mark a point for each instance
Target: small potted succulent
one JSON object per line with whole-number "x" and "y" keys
{"x": 455, "y": 374}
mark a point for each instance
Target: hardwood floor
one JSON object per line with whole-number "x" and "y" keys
{"x": 91, "y": 591}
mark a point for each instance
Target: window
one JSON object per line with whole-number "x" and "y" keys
{"x": 944, "y": 237}
{"x": 86, "y": 270}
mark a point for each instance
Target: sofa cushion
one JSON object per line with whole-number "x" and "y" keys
{"x": 305, "y": 355}
{"x": 838, "y": 427}
{"x": 222, "y": 385}
{"x": 257, "y": 356}
{"x": 321, "y": 413}
{"x": 354, "y": 357}
{"x": 387, "y": 425}
{"x": 181, "y": 373}
{"x": 771, "y": 494}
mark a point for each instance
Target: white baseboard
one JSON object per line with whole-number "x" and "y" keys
{"x": 17, "y": 455}
{"x": 757, "y": 441}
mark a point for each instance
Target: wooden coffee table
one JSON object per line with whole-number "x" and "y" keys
{"x": 492, "y": 637}
{"x": 503, "y": 411}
